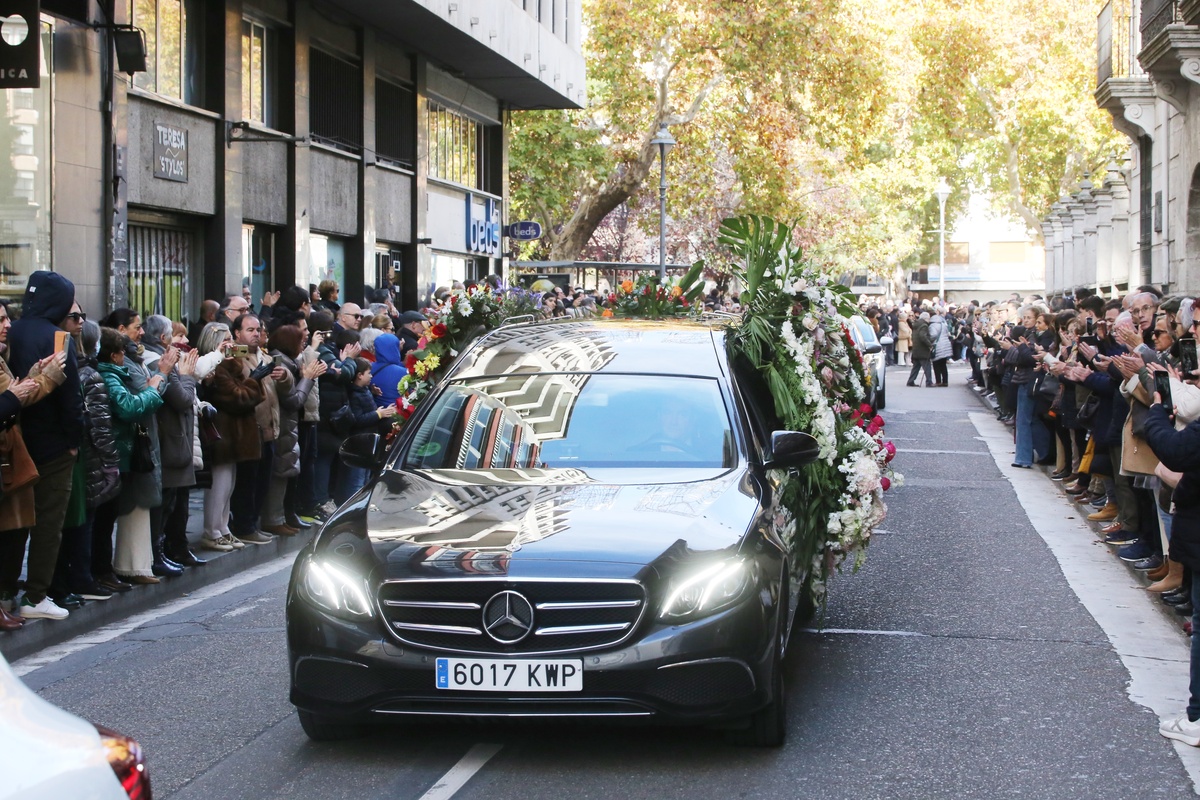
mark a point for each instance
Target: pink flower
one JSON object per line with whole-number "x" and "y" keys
{"x": 878, "y": 421}
{"x": 891, "y": 450}
{"x": 885, "y": 482}
{"x": 865, "y": 408}
{"x": 827, "y": 374}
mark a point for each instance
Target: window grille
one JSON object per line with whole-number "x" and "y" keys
{"x": 335, "y": 107}
{"x": 159, "y": 261}
{"x": 395, "y": 123}
{"x": 459, "y": 148}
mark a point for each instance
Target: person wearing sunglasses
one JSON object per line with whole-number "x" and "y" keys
{"x": 349, "y": 317}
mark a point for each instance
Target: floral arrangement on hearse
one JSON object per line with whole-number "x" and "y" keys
{"x": 462, "y": 316}
{"x": 795, "y": 334}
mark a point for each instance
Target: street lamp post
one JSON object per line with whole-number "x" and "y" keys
{"x": 941, "y": 192}
{"x": 665, "y": 142}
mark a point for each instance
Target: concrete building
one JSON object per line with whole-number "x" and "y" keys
{"x": 1141, "y": 225}
{"x": 268, "y": 142}
{"x": 988, "y": 257}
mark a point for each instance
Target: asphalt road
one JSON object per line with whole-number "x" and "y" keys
{"x": 958, "y": 662}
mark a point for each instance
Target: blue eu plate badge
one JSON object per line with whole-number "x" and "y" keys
{"x": 443, "y": 673}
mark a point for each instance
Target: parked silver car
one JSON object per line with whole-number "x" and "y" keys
{"x": 874, "y": 360}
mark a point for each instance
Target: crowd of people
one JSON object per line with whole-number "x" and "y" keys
{"x": 108, "y": 426}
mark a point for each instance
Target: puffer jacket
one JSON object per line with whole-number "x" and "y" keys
{"x": 138, "y": 489}
{"x": 101, "y": 460}
{"x": 293, "y": 392}
{"x": 939, "y": 334}
{"x": 312, "y": 405}
{"x": 334, "y": 384}
{"x": 130, "y": 407}
{"x": 176, "y": 424}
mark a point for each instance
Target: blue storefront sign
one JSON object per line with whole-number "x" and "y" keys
{"x": 483, "y": 226}
{"x": 524, "y": 231}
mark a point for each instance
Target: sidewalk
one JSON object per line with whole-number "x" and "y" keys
{"x": 1166, "y": 610}
{"x": 38, "y": 634}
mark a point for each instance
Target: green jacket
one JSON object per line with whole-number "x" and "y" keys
{"x": 128, "y": 408}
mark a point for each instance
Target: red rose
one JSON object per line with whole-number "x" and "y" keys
{"x": 438, "y": 331}
{"x": 865, "y": 408}
{"x": 410, "y": 361}
{"x": 878, "y": 421}
{"x": 885, "y": 483}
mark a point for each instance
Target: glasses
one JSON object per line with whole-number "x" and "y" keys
{"x": 78, "y": 316}
{"x": 356, "y": 316}
{"x": 1157, "y": 332}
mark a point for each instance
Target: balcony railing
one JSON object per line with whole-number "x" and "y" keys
{"x": 1158, "y": 14}
{"x": 1114, "y": 41}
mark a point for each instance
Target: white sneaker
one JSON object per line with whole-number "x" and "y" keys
{"x": 232, "y": 541}
{"x": 1181, "y": 729}
{"x": 47, "y": 609}
{"x": 208, "y": 543}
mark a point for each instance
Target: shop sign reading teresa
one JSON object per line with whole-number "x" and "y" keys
{"x": 170, "y": 152}
{"x": 483, "y": 226}
{"x": 20, "y": 45}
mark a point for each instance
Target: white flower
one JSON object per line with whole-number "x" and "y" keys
{"x": 798, "y": 287}
{"x": 810, "y": 322}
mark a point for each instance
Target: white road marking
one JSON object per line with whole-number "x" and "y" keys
{"x": 865, "y": 633}
{"x": 1153, "y": 650}
{"x": 109, "y": 632}
{"x": 461, "y": 772}
{"x": 945, "y": 452}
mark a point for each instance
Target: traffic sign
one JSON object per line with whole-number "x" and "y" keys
{"x": 525, "y": 231}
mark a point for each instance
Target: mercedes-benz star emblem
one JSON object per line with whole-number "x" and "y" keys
{"x": 508, "y": 617}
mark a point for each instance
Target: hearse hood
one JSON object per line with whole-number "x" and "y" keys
{"x": 506, "y": 522}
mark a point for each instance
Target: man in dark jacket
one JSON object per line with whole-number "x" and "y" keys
{"x": 52, "y": 430}
{"x": 410, "y": 331}
{"x": 922, "y": 351}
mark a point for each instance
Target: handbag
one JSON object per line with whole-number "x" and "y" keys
{"x": 141, "y": 457}
{"x": 209, "y": 433}
{"x": 342, "y": 420}
{"x": 1086, "y": 414}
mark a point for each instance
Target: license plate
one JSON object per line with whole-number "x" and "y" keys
{"x": 504, "y": 675}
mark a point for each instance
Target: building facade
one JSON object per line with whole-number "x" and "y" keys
{"x": 1140, "y": 222}
{"x": 270, "y": 142}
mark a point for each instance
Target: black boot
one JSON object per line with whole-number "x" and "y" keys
{"x": 162, "y": 567}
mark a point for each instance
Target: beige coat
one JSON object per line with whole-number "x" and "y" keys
{"x": 903, "y": 337}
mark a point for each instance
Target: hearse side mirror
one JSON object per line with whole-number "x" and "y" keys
{"x": 791, "y": 449}
{"x": 872, "y": 348}
{"x": 363, "y": 451}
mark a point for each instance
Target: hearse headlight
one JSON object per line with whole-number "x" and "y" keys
{"x": 708, "y": 590}
{"x": 336, "y": 589}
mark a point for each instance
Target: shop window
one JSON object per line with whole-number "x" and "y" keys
{"x": 25, "y": 158}
{"x": 160, "y": 260}
{"x": 459, "y": 150}
{"x": 327, "y": 261}
{"x": 258, "y": 260}
{"x": 173, "y": 30}
{"x": 336, "y": 105}
{"x": 259, "y": 57}
{"x": 395, "y": 124}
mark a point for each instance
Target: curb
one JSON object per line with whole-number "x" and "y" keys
{"x": 38, "y": 634}
{"x": 1143, "y": 582}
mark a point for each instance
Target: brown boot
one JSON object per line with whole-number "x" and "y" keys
{"x": 1160, "y": 573}
{"x": 1172, "y": 581}
{"x": 1103, "y": 515}
{"x": 10, "y": 622}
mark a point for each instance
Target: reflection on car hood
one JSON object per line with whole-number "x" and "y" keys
{"x": 451, "y": 522}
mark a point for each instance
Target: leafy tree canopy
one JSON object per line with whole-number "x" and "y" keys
{"x": 838, "y": 115}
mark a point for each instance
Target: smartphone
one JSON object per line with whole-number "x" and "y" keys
{"x": 1187, "y": 357}
{"x": 1091, "y": 326}
{"x": 240, "y": 351}
{"x": 278, "y": 360}
{"x": 1162, "y": 385}
{"x": 1090, "y": 340}
{"x": 61, "y": 338}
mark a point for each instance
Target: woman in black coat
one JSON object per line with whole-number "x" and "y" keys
{"x": 1180, "y": 451}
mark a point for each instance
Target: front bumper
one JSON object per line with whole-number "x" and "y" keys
{"x": 709, "y": 670}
